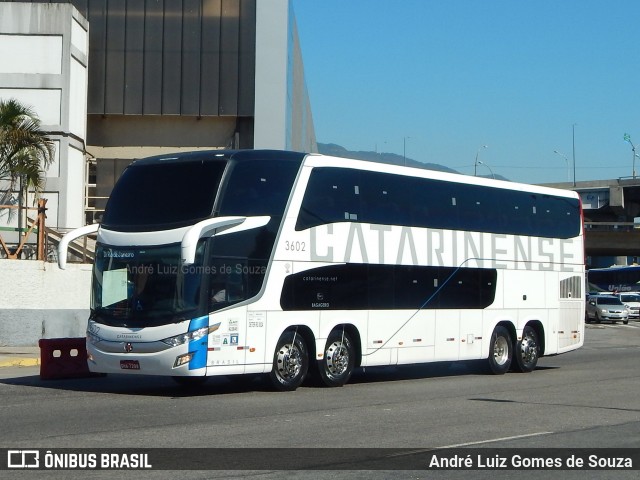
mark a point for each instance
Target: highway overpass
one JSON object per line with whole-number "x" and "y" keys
{"x": 610, "y": 209}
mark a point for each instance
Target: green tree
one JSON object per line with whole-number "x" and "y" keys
{"x": 25, "y": 150}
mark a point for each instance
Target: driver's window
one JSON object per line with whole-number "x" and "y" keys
{"x": 227, "y": 284}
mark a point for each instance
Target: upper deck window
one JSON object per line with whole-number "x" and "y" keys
{"x": 163, "y": 195}
{"x": 257, "y": 187}
{"x": 348, "y": 195}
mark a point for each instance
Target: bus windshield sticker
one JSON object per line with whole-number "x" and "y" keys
{"x": 114, "y": 286}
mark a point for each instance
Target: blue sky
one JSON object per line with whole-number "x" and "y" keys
{"x": 444, "y": 77}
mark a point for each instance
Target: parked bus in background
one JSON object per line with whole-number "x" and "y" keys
{"x": 246, "y": 262}
{"x": 617, "y": 278}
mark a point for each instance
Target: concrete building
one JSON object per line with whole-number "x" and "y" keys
{"x": 43, "y": 64}
{"x": 162, "y": 76}
{"x": 116, "y": 80}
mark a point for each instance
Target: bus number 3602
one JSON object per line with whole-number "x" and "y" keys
{"x": 295, "y": 246}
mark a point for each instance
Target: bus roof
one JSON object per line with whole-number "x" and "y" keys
{"x": 614, "y": 268}
{"x": 217, "y": 155}
{"x": 319, "y": 160}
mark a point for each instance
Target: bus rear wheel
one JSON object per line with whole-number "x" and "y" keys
{"x": 338, "y": 360}
{"x": 500, "y": 351}
{"x": 290, "y": 362}
{"x": 527, "y": 351}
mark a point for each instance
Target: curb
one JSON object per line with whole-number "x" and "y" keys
{"x": 19, "y": 362}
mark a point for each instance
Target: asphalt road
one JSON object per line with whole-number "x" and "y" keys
{"x": 584, "y": 399}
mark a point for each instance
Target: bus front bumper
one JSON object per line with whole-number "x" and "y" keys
{"x": 147, "y": 358}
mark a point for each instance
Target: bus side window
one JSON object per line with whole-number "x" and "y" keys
{"x": 235, "y": 287}
{"x": 333, "y": 195}
{"x": 256, "y": 188}
{"x": 228, "y": 282}
{"x": 217, "y": 289}
{"x": 383, "y": 199}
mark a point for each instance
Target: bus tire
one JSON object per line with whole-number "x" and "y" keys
{"x": 338, "y": 361}
{"x": 527, "y": 351}
{"x": 500, "y": 351}
{"x": 290, "y": 362}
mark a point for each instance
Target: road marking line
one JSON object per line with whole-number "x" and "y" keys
{"x": 457, "y": 445}
{"x": 515, "y": 437}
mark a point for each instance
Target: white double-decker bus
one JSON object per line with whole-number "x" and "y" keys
{"x": 246, "y": 262}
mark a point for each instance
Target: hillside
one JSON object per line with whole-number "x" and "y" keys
{"x": 390, "y": 158}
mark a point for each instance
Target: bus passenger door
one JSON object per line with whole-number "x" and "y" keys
{"x": 447, "y": 337}
{"x": 471, "y": 334}
{"x": 380, "y": 344}
{"x": 400, "y": 337}
{"x": 255, "y": 355}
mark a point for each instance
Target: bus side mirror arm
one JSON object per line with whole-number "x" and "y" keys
{"x": 63, "y": 246}
{"x": 215, "y": 226}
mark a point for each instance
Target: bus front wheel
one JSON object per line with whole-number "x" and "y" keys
{"x": 527, "y": 351}
{"x": 290, "y": 362}
{"x": 500, "y": 351}
{"x": 338, "y": 360}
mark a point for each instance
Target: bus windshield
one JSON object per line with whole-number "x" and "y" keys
{"x": 143, "y": 286}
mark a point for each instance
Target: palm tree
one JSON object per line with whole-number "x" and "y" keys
{"x": 25, "y": 150}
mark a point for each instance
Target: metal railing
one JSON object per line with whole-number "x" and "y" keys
{"x": 612, "y": 226}
{"x": 37, "y": 226}
{"x": 47, "y": 239}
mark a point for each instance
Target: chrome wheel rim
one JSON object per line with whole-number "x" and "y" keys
{"x": 289, "y": 362}
{"x": 501, "y": 351}
{"x": 528, "y": 349}
{"x": 337, "y": 358}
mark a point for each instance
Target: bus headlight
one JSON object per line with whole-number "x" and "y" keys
{"x": 189, "y": 336}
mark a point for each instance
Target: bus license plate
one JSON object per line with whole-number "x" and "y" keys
{"x": 129, "y": 364}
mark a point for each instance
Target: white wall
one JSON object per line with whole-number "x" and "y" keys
{"x": 272, "y": 27}
{"x": 38, "y": 300}
{"x": 283, "y": 117}
{"x": 44, "y": 103}
{"x": 45, "y": 54}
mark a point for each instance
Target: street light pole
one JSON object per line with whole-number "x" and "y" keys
{"x": 475, "y": 165}
{"x": 482, "y": 163}
{"x": 404, "y": 150}
{"x": 573, "y": 137}
{"x": 566, "y": 160}
{"x": 627, "y": 138}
